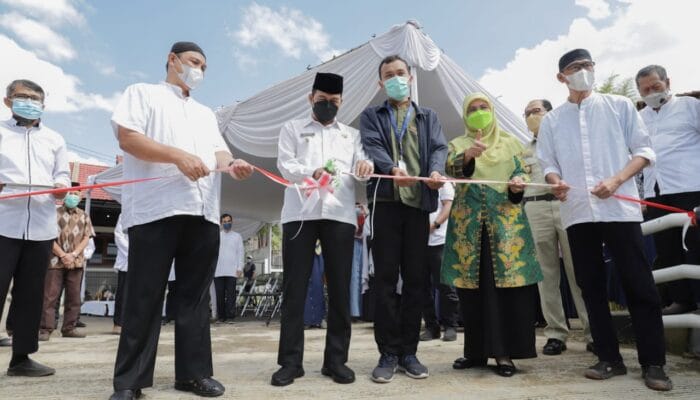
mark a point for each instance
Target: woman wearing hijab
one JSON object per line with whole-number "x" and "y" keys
{"x": 489, "y": 252}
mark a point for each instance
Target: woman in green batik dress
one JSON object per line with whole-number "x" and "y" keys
{"x": 489, "y": 252}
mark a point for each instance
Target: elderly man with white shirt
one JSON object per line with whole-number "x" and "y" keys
{"x": 674, "y": 128}
{"x": 229, "y": 266}
{"x": 30, "y": 154}
{"x": 590, "y": 147}
{"x": 164, "y": 132}
{"x": 318, "y": 146}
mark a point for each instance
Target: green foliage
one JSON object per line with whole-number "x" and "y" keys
{"x": 626, "y": 87}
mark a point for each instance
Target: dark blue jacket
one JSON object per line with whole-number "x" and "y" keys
{"x": 375, "y": 129}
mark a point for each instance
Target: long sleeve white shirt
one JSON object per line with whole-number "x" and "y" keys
{"x": 121, "y": 240}
{"x": 162, "y": 113}
{"x": 231, "y": 253}
{"x": 675, "y": 137}
{"x": 38, "y": 156}
{"x": 587, "y": 144}
{"x": 304, "y": 146}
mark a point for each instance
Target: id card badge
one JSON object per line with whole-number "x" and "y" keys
{"x": 402, "y": 165}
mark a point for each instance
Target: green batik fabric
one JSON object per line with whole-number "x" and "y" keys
{"x": 411, "y": 195}
{"x": 512, "y": 247}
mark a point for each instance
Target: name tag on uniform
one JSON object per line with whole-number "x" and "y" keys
{"x": 307, "y": 134}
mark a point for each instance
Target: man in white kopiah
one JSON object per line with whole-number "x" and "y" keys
{"x": 596, "y": 143}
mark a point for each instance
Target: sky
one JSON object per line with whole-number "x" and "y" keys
{"x": 84, "y": 53}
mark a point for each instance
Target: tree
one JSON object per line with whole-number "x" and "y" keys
{"x": 625, "y": 88}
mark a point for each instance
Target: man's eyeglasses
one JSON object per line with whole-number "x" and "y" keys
{"x": 577, "y": 66}
{"x": 535, "y": 110}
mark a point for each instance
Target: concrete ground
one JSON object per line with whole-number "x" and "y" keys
{"x": 245, "y": 357}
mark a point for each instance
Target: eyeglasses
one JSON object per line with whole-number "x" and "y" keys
{"x": 577, "y": 66}
{"x": 535, "y": 110}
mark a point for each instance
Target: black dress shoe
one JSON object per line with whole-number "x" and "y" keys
{"x": 464, "y": 363}
{"x": 339, "y": 373}
{"x": 506, "y": 369}
{"x": 80, "y": 324}
{"x": 127, "y": 394}
{"x": 286, "y": 375}
{"x": 6, "y": 342}
{"x": 679, "y": 308}
{"x": 205, "y": 387}
{"x": 31, "y": 368}
{"x": 554, "y": 347}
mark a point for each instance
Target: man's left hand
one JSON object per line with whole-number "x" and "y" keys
{"x": 436, "y": 181}
{"x": 240, "y": 169}
{"x": 606, "y": 188}
{"x": 363, "y": 168}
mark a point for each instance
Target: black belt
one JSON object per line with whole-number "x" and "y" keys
{"x": 544, "y": 197}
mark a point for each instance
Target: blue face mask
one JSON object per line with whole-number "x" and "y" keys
{"x": 227, "y": 226}
{"x": 397, "y": 87}
{"x": 26, "y": 108}
{"x": 71, "y": 200}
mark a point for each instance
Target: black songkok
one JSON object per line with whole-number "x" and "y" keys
{"x": 329, "y": 83}
{"x": 181, "y": 47}
{"x": 573, "y": 55}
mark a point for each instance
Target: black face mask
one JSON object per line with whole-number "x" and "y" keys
{"x": 325, "y": 111}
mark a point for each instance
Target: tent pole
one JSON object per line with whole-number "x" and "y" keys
{"x": 269, "y": 244}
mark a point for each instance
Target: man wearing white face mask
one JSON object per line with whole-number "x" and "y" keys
{"x": 674, "y": 128}
{"x": 596, "y": 143}
{"x": 165, "y": 132}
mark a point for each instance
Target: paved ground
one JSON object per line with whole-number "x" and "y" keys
{"x": 245, "y": 354}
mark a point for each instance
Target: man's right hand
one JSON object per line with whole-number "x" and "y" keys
{"x": 560, "y": 190}
{"x": 477, "y": 148}
{"x": 191, "y": 166}
{"x": 403, "y": 178}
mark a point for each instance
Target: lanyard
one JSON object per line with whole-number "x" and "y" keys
{"x": 399, "y": 134}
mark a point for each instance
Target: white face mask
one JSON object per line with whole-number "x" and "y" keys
{"x": 656, "y": 99}
{"x": 191, "y": 77}
{"x": 581, "y": 81}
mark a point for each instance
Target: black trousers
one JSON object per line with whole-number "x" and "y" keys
{"x": 337, "y": 241}
{"x": 225, "y": 297}
{"x": 171, "y": 302}
{"x": 118, "y": 318}
{"x": 624, "y": 241}
{"x": 24, "y": 263}
{"x": 193, "y": 243}
{"x": 669, "y": 249}
{"x": 448, "y": 302}
{"x": 399, "y": 246}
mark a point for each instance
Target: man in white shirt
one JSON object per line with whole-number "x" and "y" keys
{"x": 229, "y": 266}
{"x": 447, "y": 296}
{"x": 165, "y": 132}
{"x": 543, "y": 214}
{"x": 312, "y": 147}
{"x": 596, "y": 143}
{"x": 674, "y": 128}
{"x": 30, "y": 155}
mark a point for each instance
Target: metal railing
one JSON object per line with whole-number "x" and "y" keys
{"x": 677, "y": 272}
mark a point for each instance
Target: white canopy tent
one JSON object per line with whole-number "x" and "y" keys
{"x": 251, "y": 127}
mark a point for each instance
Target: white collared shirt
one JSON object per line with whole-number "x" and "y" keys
{"x": 305, "y": 145}
{"x": 589, "y": 144}
{"x": 121, "y": 240}
{"x": 35, "y": 155}
{"x": 231, "y": 254}
{"x": 675, "y": 137}
{"x": 445, "y": 193}
{"x": 164, "y": 114}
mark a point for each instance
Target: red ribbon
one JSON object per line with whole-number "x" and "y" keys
{"x": 660, "y": 206}
{"x": 76, "y": 188}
